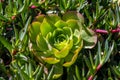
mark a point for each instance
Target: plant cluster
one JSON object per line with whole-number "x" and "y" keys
{"x": 59, "y": 40}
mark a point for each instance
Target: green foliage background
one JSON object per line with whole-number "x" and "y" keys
{"x": 17, "y": 61}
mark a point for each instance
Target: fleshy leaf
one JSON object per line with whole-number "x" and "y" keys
{"x": 67, "y": 64}
{"x": 70, "y": 15}
{"x": 60, "y": 45}
{"x": 57, "y": 32}
{"x": 73, "y": 15}
{"x": 51, "y": 60}
{"x": 67, "y": 31}
{"x": 65, "y": 51}
{"x": 40, "y": 18}
{"x": 61, "y": 54}
{"x": 89, "y": 39}
{"x": 53, "y": 18}
{"x": 34, "y": 30}
{"x": 49, "y": 38}
{"x": 56, "y": 76}
{"x": 41, "y": 43}
{"x": 76, "y": 37}
{"x": 80, "y": 17}
{"x": 60, "y": 24}
{"x": 46, "y": 27}
{"x": 73, "y": 24}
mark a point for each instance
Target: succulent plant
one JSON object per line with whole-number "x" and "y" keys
{"x": 60, "y": 39}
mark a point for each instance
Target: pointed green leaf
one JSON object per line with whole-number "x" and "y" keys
{"x": 24, "y": 75}
{"x": 98, "y": 57}
{"x": 46, "y": 27}
{"x": 91, "y": 59}
{"x": 62, "y": 4}
{"x": 68, "y": 5}
{"x": 24, "y": 30}
{"x": 16, "y": 33}
{"x": 89, "y": 65}
{"x": 6, "y": 44}
{"x": 41, "y": 43}
{"x": 108, "y": 52}
{"x": 39, "y": 73}
{"x": 49, "y": 77}
{"x": 30, "y": 69}
{"x": 116, "y": 70}
{"x": 77, "y": 72}
{"x": 36, "y": 70}
{"x": 24, "y": 7}
{"x": 3, "y": 18}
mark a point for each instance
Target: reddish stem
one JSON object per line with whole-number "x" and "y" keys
{"x": 106, "y": 32}
{"x": 13, "y": 17}
{"x": 115, "y": 30}
{"x": 9, "y": 29}
{"x": 98, "y": 67}
{"x": 33, "y": 7}
{"x": 90, "y": 78}
{"x": 14, "y": 52}
{"x": 101, "y": 31}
